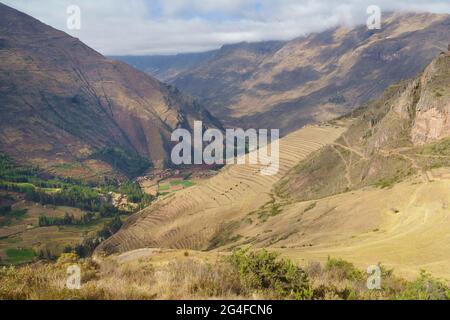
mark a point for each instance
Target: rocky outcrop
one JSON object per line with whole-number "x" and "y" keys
{"x": 432, "y": 114}
{"x": 389, "y": 139}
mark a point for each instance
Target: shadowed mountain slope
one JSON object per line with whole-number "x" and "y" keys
{"x": 287, "y": 84}
{"x": 69, "y": 110}
{"x": 166, "y": 68}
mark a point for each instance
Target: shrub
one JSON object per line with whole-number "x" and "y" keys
{"x": 264, "y": 271}
{"x": 342, "y": 270}
{"x": 425, "y": 288}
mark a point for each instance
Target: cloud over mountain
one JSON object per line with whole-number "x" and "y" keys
{"x": 173, "y": 26}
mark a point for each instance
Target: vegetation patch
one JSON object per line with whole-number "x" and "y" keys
{"x": 264, "y": 271}
{"x": 128, "y": 162}
{"x": 184, "y": 183}
{"x": 386, "y": 182}
{"x": 224, "y": 236}
{"x": 102, "y": 205}
{"x": 310, "y": 207}
{"x": 18, "y": 256}
{"x": 244, "y": 274}
{"x": 8, "y": 215}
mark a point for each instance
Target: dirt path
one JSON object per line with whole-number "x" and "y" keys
{"x": 353, "y": 150}
{"x": 408, "y": 230}
{"x": 347, "y": 168}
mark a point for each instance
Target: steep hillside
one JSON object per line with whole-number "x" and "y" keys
{"x": 166, "y": 68}
{"x": 71, "y": 111}
{"x": 393, "y": 158}
{"x": 203, "y": 216}
{"x": 405, "y": 132}
{"x": 219, "y": 81}
{"x": 285, "y": 85}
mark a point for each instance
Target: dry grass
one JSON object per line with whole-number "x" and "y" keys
{"x": 192, "y": 218}
{"x": 191, "y": 278}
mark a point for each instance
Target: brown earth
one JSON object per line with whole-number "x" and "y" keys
{"x": 61, "y": 102}
{"x": 314, "y": 78}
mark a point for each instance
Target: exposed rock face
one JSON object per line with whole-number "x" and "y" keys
{"x": 432, "y": 121}
{"x": 389, "y": 139}
{"x": 61, "y": 102}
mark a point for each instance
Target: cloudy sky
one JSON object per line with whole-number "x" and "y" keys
{"x": 139, "y": 27}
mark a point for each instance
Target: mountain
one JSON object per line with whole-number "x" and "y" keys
{"x": 219, "y": 81}
{"x": 405, "y": 132}
{"x": 166, "y": 68}
{"x": 314, "y": 78}
{"x": 71, "y": 111}
{"x": 371, "y": 187}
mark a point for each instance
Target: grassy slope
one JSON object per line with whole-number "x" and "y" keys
{"x": 377, "y": 149}
{"x": 163, "y": 274}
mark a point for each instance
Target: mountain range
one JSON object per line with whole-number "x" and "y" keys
{"x": 364, "y": 154}
{"x": 314, "y": 78}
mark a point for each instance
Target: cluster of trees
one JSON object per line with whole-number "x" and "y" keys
{"x": 83, "y": 198}
{"x": 21, "y": 188}
{"x": 83, "y": 195}
{"x": 5, "y": 209}
{"x": 132, "y": 190}
{"x": 47, "y": 189}
{"x": 12, "y": 174}
{"x": 88, "y": 246}
{"x": 67, "y": 220}
{"x": 128, "y": 162}
{"x": 74, "y": 196}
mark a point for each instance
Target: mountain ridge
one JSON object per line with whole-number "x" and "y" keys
{"x": 402, "y": 133}
{"x": 313, "y": 78}
{"x": 63, "y": 103}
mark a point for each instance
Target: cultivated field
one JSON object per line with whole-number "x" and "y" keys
{"x": 24, "y": 234}
{"x": 198, "y": 217}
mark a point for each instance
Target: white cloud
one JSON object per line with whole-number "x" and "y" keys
{"x": 172, "y": 26}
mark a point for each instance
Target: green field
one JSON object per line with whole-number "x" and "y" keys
{"x": 169, "y": 185}
{"x": 184, "y": 183}
{"x": 18, "y": 256}
{"x": 43, "y": 216}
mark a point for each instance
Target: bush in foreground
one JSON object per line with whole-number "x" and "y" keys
{"x": 242, "y": 275}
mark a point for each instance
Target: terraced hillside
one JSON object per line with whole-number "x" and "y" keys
{"x": 200, "y": 217}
